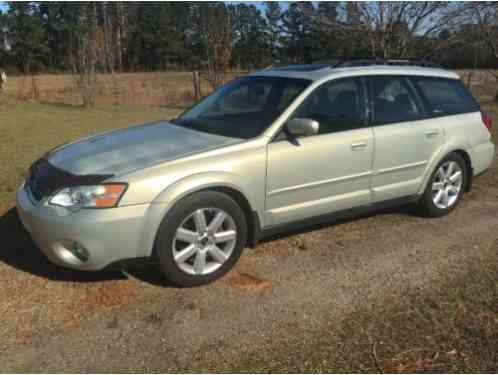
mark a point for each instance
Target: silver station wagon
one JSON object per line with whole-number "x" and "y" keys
{"x": 265, "y": 153}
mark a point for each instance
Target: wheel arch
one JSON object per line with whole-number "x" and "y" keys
{"x": 470, "y": 174}
{"x": 222, "y": 182}
{"x": 460, "y": 150}
{"x": 252, "y": 218}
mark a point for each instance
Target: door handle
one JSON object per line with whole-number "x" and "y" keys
{"x": 358, "y": 145}
{"x": 431, "y": 133}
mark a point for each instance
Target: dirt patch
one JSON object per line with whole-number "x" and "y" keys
{"x": 97, "y": 297}
{"x": 245, "y": 281}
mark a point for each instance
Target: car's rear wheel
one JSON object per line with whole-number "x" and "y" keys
{"x": 446, "y": 186}
{"x": 201, "y": 238}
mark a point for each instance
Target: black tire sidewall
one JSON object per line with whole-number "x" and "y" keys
{"x": 428, "y": 205}
{"x": 180, "y": 211}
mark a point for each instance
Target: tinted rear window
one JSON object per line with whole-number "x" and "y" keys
{"x": 445, "y": 96}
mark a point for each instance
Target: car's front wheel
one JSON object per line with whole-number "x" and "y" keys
{"x": 201, "y": 238}
{"x": 446, "y": 186}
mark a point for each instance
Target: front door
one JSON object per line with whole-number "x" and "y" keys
{"x": 326, "y": 172}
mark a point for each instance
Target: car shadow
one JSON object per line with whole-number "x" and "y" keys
{"x": 403, "y": 210}
{"x": 151, "y": 275}
{"x": 19, "y": 251}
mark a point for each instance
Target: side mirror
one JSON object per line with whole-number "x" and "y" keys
{"x": 303, "y": 127}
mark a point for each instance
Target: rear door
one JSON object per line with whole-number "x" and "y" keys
{"x": 405, "y": 137}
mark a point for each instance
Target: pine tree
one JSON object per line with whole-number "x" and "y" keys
{"x": 297, "y": 22}
{"x": 25, "y": 34}
{"x": 250, "y": 45}
{"x": 273, "y": 15}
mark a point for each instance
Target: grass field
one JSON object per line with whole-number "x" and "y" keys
{"x": 446, "y": 325}
{"x": 170, "y": 89}
{"x": 28, "y": 130}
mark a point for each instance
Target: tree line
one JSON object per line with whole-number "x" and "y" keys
{"x": 109, "y": 36}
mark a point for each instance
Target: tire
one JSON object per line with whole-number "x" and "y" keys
{"x": 184, "y": 239}
{"x": 443, "y": 183}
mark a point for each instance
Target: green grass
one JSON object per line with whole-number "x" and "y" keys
{"x": 27, "y": 130}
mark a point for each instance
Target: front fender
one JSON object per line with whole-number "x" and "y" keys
{"x": 202, "y": 181}
{"x": 167, "y": 198}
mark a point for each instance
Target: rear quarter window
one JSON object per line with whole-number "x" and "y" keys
{"x": 445, "y": 97}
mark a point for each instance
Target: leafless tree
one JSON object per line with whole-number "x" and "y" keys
{"x": 84, "y": 54}
{"x": 216, "y": 32}
{"x": 484, "y": 14}
{"x": 389, "y": 28}
{"x": 120, "y": 32}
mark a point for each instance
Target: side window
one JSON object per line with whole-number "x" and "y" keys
{"x": 393, "y": 101}
{"x": 446, "y": 96}
{"x": 336, "y": 105}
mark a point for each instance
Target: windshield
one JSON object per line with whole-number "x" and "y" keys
{"x": 243, "y": 108}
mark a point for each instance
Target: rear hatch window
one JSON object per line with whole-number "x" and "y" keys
{"x": 445, "y": 97}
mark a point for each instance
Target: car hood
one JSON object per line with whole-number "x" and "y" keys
{"x": 125, "y": 150}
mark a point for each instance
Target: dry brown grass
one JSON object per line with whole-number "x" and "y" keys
{"x": 150, "y": 89}
{"x": 482, "y": 84}
{"x": 173, "y": 89}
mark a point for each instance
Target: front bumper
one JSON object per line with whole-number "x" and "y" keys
{"x": 109, "y": 235}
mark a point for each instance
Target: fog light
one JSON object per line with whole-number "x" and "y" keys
{"x": 72, "y": 252}
{"x": 79, "y": 251}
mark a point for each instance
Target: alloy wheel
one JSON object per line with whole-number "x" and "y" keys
{"x": 204, "y": 241}
{"x": 447, "y": 185}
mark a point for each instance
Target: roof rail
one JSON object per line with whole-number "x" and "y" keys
{"x": 378, "y": 61}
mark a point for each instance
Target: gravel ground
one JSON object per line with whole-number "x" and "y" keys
{"x": 281, "y": 300}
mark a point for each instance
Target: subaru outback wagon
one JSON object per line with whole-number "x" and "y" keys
{"x": 271, "y": 151}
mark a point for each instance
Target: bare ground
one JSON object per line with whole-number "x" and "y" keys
{"x": 371, "y": 294}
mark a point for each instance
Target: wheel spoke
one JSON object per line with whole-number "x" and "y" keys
{"x": 186, "y": 235}
{"x": 438, "y": 196}
{"x": 185, "y": 254}
{"x": 444, "y": 198}
{"x": 218, "y": 254}
{"x": 225, "y": 236}
{"x": 200, "y": 262}
{"x": 441, "y": 173}
{"x": 200, "y": 221}
{"x": 451, "y": 168}
{"x": 437, "y": 186}
{"x": 217, "y": 222}
{"x": 456, "y": 176}
{"x": 453, "y": 189}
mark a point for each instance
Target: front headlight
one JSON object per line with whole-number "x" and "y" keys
{"x": 90, "y": 196}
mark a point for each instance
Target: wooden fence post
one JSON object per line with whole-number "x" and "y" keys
{"x": 197, "y": 85}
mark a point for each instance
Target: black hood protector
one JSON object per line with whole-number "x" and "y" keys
{"x": 45, "y": 179}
